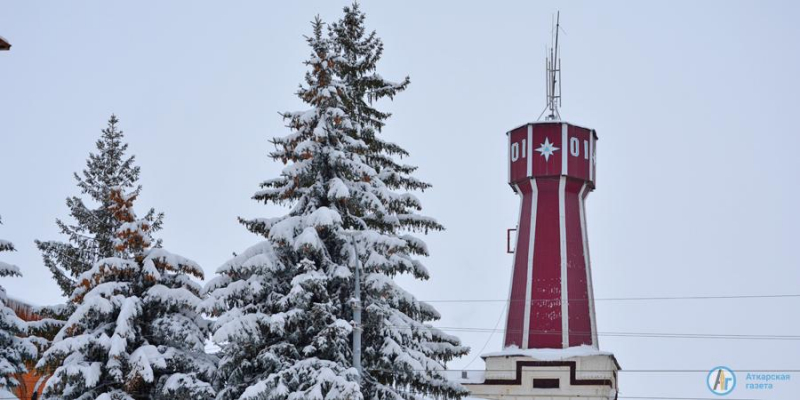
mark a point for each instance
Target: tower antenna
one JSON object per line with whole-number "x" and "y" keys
{"x": 553, "y": 75}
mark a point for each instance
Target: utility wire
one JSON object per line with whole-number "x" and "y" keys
{"x": 561, "y": 369}
{"x": 658, "y": 298}
{"x": 663, "y": 335}
{"x": 617, "y": 334}
{"x": 489, "y": 339}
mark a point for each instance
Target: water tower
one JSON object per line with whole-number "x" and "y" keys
{"x": 550, "y": 348}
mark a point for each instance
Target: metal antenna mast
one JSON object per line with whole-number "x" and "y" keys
{"x": 357, "y": 328}
{"x": 553, "y": 75}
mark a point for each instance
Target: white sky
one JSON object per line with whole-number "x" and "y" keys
{"x": 694, "y": 104}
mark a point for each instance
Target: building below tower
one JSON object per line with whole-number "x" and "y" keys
{"x": 575, "y": 373}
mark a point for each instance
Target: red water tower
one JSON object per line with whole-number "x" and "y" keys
{"x": 550, "y": 346}
{"x": 552, "y": 169}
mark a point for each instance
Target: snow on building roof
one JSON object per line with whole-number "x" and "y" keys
{"x": 4, "y": 45}
{"x": 549, "y": 354}
{"x": 23, "y": 309}
{"x": 465, "y": 377}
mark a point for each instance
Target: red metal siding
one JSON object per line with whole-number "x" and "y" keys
{"x": 550, "y": 195}
{"x": 545, "y": 322}
{"x": 580, "y": 324}
{"x": 516, "y": 308}
{"x": 593, "y": 159}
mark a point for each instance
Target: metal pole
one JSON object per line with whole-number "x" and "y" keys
{"x": 357, "y": 312}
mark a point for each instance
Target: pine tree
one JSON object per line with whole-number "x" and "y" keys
{"x": 134, "y": 333}
{"x": 14, "y": 350}
{"x": 285, "y": 305}
{"x": 91, "y": 238}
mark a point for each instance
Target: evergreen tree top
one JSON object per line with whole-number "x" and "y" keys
{"x": 109, "y": 167}
{"x": 91, "y": 237}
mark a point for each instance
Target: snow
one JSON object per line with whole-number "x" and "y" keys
{"x": 143, "y": 360}
{"x": 9, "y": 269}
{"x": 113, "y": 263}
{"x": 9, "y": 319}
{"x": 301, "y": 279}
{"x": 5, "y": 245}
{"x": 176, "y": 262}
{"x": 130, "y": 309}
{"x": 211, "y": 347}
{"x": 150, "y": 271}
{"x": 107, "y": 290}
{"x": 337, "y": 189}
{"x": 285, "y": 230}
{"x": 138, "y": 227}
{"x": 239, "y": 326}
{"x": 171, "y": 297}
{"x": 4, "y": 393}
{"x": 91, "y": 304}
{"x": 115, "y": 394}
{"x": 324, "y": 217}
{"x": 90, "y": 372}
{"x": 178, "y": 381}
{"x": 549, "y": 354}
{"x": 308, "y": 240}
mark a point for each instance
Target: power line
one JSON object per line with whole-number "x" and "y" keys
{"x": 660, "y": 335}
{"x": 618, "y": 334}
{"x": 632, "y": 334}
{"x": 556, "y": 395}
{"x": 549, "y": 395}
{"x": 676, "y": 398}
{"x": 488, "y": 339}
{"x": 656, "y": 298}
{"x": 561, "y": 369}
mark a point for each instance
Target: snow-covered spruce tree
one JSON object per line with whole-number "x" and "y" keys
{"x": 91, "y": 238}
{"x": 13, "y": 349}
{"x": 134, "y": 333}
{"x": 401, "y": 353}
{"x": 285, "y": 305}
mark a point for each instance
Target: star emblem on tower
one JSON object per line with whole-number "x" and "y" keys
{"x": 547, "y": 149}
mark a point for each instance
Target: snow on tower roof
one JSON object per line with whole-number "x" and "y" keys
{"x": 549, "y": 122}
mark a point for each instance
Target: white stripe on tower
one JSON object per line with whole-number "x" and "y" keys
{"x": 508, "y": 134}
{"x": 591, "y": 155}
{"x": 529, "y": 157}
{"x": 529, "y": 279}
{"x": 588, "y": 263}
{"x": 518, "y": 191}
{"x": 562, "y": 230}
{"x": 564, "y": 150}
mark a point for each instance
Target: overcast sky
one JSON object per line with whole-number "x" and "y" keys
{"x": 695, "y": 105}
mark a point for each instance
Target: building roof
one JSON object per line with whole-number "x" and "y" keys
{"x": 4, "y": 45}
{"x": 23, "y": 310}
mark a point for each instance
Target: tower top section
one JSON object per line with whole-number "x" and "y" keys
{"x": 551, "y": 149}
{"x": 553, "y": 75}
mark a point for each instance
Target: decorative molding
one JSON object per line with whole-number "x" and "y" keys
{"x": 573, "y": 379}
